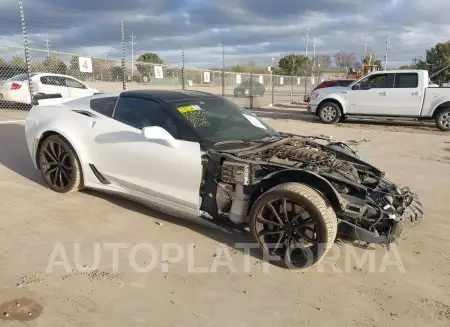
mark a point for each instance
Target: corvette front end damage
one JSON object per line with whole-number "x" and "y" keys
{"x": 369, "y": 208}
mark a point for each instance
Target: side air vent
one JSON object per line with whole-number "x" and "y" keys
{"x": 85, "y": 112}
{"x": 99, "y": 176}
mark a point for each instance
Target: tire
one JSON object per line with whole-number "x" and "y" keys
{"x": 319, "y": 212}
{"x": 443, "y": 120}
{"x": 413, "y": 214}
{"x": 329, "y": 113}
{"x": 59, "y": 165}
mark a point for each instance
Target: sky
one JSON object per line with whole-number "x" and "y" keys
{"x": 257, "y": 30}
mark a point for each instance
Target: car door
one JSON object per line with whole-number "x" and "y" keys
{"x": 166, "y": 176}
{"x": 407, "y": 94}
{"x": 371, "y": 95}
{"x": 77, "y": 89}
{"x": 53, "y": 84}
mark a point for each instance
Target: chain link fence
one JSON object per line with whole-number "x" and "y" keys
{"x": 249, "y": 90}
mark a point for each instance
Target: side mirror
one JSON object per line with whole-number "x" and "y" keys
{"x": 357, "y": 86}
{"x": 159, "y": 135}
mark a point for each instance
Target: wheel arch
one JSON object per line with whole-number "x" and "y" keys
{"x": 440, "y": 107}
{"x": 332, "y": 100}
{"x": 49, "y": 133}
{"x": 301, "y": 176}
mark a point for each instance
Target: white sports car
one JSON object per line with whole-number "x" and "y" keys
{"x": 191, "y": 153}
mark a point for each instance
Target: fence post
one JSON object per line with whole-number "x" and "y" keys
{"x": 251, "y": 89}
{"x": 182, "y": 66}
{"x": 25, "y": 46}
{"x": 124, "y": 81}
{"x": 273, "y": 86}
{"x": 223, "y": 70}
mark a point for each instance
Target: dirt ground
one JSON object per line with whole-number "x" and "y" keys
{"x": 408, "y": 286}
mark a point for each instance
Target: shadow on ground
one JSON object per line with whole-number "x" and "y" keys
{"x": 381, "y": 124}
{"x": 14, "y": 156}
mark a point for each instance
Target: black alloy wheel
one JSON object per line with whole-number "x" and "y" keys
{"x": 294, "y": 224}
{"x": 59, "y": 165}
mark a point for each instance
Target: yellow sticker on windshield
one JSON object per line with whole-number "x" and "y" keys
{"x": 186, "y": 109}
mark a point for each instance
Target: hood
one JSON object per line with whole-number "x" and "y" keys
{"x": 329, "y": 90}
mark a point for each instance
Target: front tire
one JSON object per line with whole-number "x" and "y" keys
{"x": 293, "y": 223}
{"x": 59, "y": 165}
{"x": 329, "y": 113}
{"x": 443, "y": 120}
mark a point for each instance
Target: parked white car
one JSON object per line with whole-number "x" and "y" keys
{"x": 16, "y": 89}
{"x": 396, "y": 93}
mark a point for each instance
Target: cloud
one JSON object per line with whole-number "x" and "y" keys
{"x": 250, "y": 29}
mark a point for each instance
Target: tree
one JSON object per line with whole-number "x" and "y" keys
{"x": 323, "y": 62}
{"x": 149, "y": 58}
{"x": 345, "y": 60}
{"x": 370, "y": 59}
{"x": 18, "y": 62}
{"x": 438, "y": 58}
{"x": 52, "y": 64}
{"x": 294, "y": 64}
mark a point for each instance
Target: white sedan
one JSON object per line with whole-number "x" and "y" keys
{"x": 16, "y": 89}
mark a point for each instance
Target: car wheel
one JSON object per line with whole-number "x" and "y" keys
{"x": 443, "y": 120}
{"x": 329, "y": 113}
{"x": 293, "y": 224}
{"x": 59, "y": 165}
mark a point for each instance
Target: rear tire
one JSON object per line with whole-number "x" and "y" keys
{"x": 443, "y": 120}
{"x": 287, "y": 214}
{"x": 329, "y": 113}
{"x": 59, "y": 165}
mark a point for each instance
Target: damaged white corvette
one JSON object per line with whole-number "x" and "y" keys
{"x": 195, "y": 154}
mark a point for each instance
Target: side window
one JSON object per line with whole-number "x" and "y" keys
{"x": 140, "y": 113}
{"x": 104, "y": 106}
{"x": 75, "y": 84}
{"x": 377, "y": 81}
{"x": 406, "y": 80}
{"x": 53, "y": 81}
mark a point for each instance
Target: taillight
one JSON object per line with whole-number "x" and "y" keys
{"x": 15, "y": 86}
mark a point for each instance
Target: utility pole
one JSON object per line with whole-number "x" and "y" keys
{"x": 388, "y": 46}
{"x": 133, "y": 37}
{"x": 307, "y": 41}
{"x": 365, "y": 46}
{"x": 47, "y": 45}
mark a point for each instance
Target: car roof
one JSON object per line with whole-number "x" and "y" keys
{"x": 168, "y": 95}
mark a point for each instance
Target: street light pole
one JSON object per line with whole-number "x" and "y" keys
{"x": 272, "y": 81}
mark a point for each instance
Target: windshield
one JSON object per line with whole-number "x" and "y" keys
{"x": 219, "y": 120}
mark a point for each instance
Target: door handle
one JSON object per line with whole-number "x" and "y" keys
{"x": 382, "y": 93}
{"x": 415, "y": 93}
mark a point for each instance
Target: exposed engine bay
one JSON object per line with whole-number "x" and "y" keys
{"x": 368, "y": 207}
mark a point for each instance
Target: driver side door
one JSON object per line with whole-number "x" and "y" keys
{"x": 163, "y": 175}
{"x": 371, "y": 95}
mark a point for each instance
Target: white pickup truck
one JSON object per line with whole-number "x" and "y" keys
{"x": 389, "y": 94}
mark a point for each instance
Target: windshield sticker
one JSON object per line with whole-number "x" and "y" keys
{"x": 189, "y": 108}
{"x": 254, "y": 121}
{"x": 197, "y": 118}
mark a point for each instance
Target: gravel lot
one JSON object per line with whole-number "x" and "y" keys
{"x": 408, "y": 286}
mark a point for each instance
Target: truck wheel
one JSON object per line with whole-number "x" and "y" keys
{"x": 329, "y": 113}
{"x": 443, "y": 120}
{"x": 293, "y": 224}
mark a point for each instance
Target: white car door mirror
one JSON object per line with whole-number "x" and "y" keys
{"x": 159, "y": 135}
